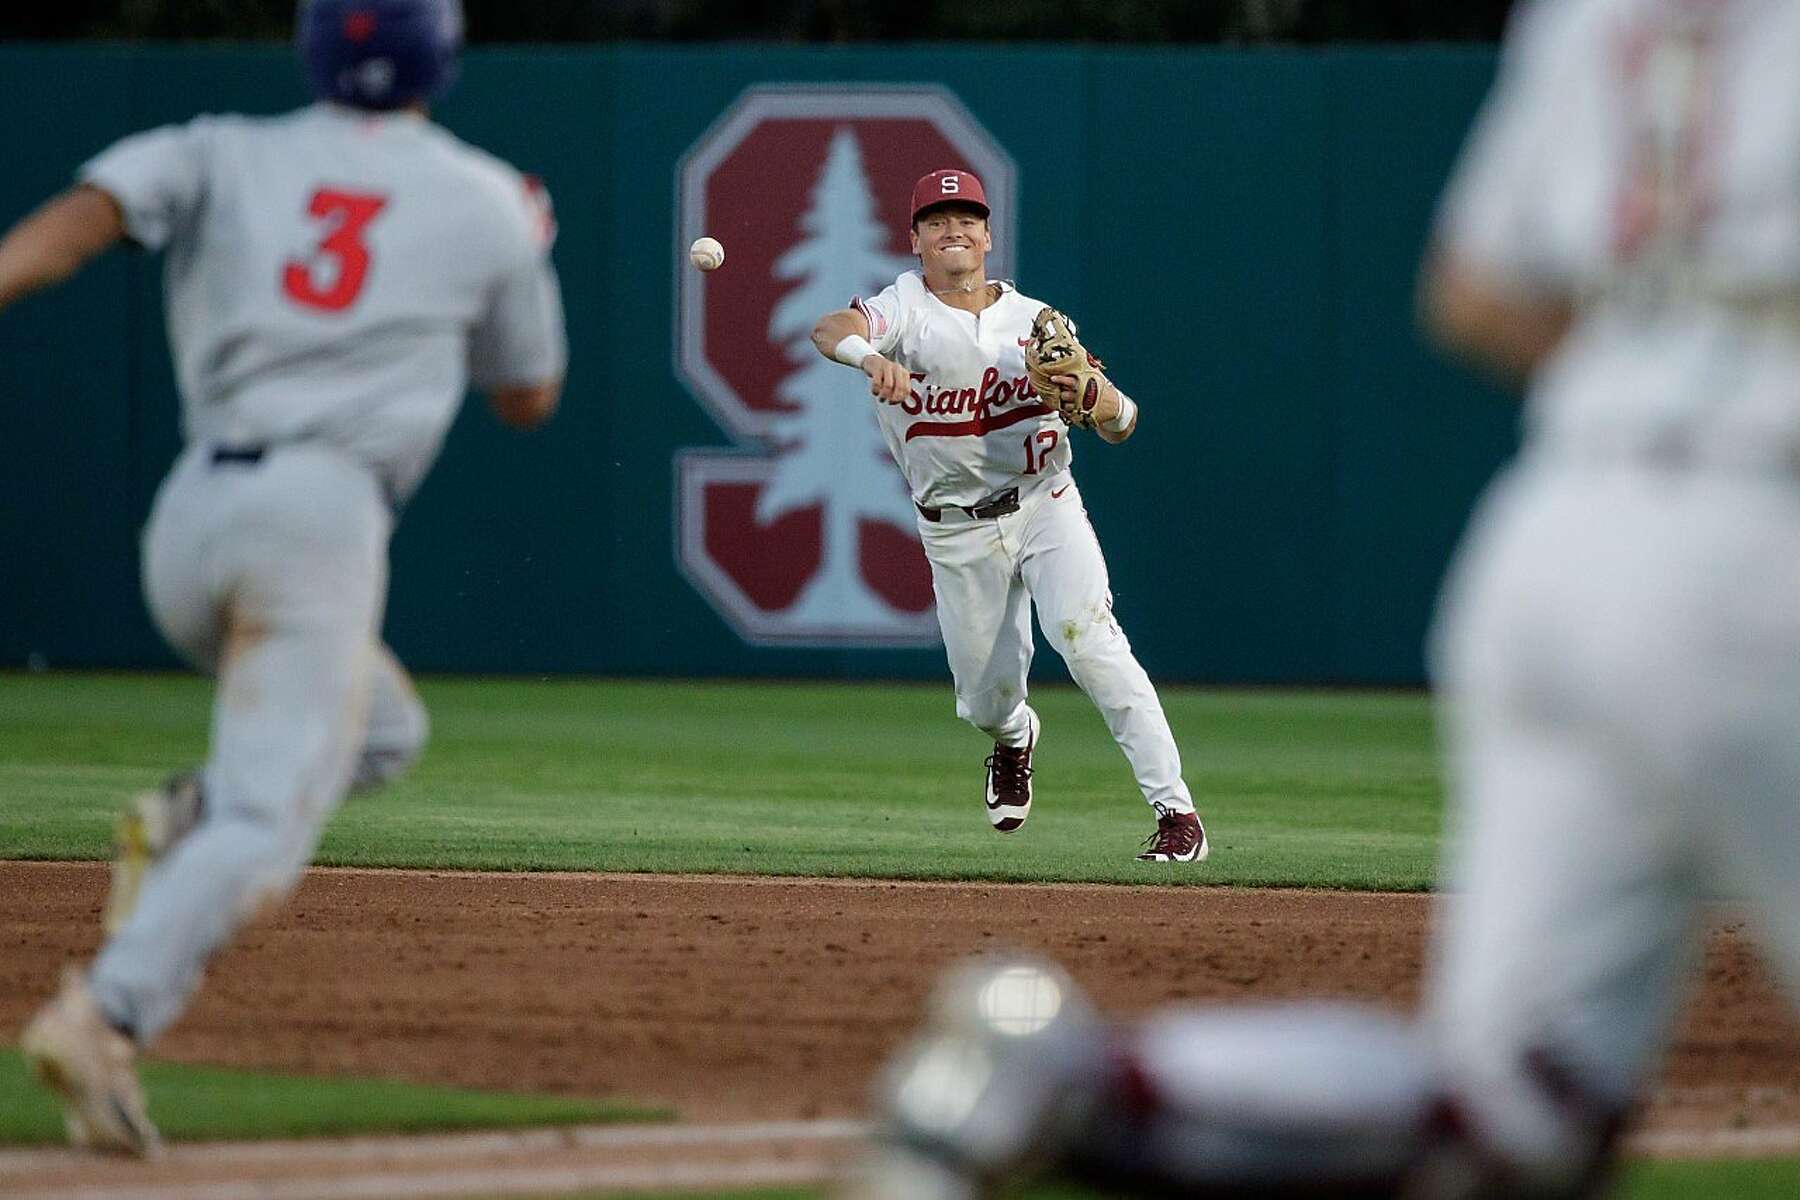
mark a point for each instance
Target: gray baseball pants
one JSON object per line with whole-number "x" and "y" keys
{"x": 270, "y": 572}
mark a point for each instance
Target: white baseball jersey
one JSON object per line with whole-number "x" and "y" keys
{"x": 972, "y": 424}
{"x": 1639, "y": 156}
{"x": 339, "y": 275}
{"x": 1617, "y": 644}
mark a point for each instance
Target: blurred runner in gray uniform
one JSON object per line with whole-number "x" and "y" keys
{"x": 1617, "y": 656}
{"x": 335, "y": 280}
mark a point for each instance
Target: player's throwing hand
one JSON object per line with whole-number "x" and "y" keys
{"x": 888, "y": 380}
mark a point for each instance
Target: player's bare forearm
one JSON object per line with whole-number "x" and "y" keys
{"x": 1495, "y": 326}
{"x": 888, "y": 380}
{"x": 834, "y": 327}
{"x": 526, "y": 405}
{"x": 55, "y": 241}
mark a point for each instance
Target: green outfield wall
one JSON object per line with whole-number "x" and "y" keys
{"x": 1237, "y": 232}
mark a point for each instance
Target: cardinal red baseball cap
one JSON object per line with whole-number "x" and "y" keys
{"x": 948, "y": 187}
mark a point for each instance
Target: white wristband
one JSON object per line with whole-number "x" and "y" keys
{"x": 852, "y": 350}
{"x": 1127, "y": 414}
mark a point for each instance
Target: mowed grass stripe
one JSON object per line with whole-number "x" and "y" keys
{"x": 1309, "y": 789}
{"x": 215, "y": 1103}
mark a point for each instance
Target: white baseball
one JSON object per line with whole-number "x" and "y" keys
{"x": 706, "y": 253}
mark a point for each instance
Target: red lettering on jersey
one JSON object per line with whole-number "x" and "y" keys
{"x": 979, "y": 426}
{"x": 979, "y": 402}
{"x": 1668, "y": 190}
{"x": 344, "y": 244}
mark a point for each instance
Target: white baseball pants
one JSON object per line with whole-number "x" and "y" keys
{"x": 1618, "y": 660}
{"x": 988, "y": 573}
{"x": 274, "y": 575}
{"x": 1619, "y": 652}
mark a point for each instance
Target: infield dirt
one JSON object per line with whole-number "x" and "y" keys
{"x": 737, "y": 999}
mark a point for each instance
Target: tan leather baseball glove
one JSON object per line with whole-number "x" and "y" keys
{"x": 1052, "y": 350}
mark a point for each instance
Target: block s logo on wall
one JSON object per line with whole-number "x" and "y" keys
{"x": 804, "y": 534}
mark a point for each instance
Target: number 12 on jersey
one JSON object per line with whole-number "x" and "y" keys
{"x": 334, "y": 287}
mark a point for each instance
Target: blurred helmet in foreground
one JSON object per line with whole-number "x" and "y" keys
{"x": 994, "y": 1087}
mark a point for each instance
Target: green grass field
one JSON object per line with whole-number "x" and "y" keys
{"x": 211, "y": 1103}
{"x": 1305, "y": 789}
{"x": 1334, "y": 790}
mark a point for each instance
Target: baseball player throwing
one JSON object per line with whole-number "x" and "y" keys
{"x": 1618, "y": 656}
{"x": 335, "y": 278}
{"x": 986, "y": 454}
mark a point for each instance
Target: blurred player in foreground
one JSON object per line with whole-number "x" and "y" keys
{"x": 1618, "y": 658}
{"x": 335, "y": 279}
{"x": 987, "y": 457}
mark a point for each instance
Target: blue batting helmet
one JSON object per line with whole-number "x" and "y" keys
{"x": 379, "y": 53}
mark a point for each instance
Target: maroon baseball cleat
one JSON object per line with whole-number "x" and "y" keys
{"x": 1009, "y": 781}
{"x": 1179, "y": 837}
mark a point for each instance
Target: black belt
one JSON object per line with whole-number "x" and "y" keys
{"x": 247, "y": 456}
{"x": 1004, "y": 504}
{"x": 250, "y": 454}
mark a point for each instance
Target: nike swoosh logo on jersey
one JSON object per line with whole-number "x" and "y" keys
{"x": 1057, "y": 494}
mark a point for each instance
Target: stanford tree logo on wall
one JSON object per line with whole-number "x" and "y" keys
{"x": 805, "y": 534}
